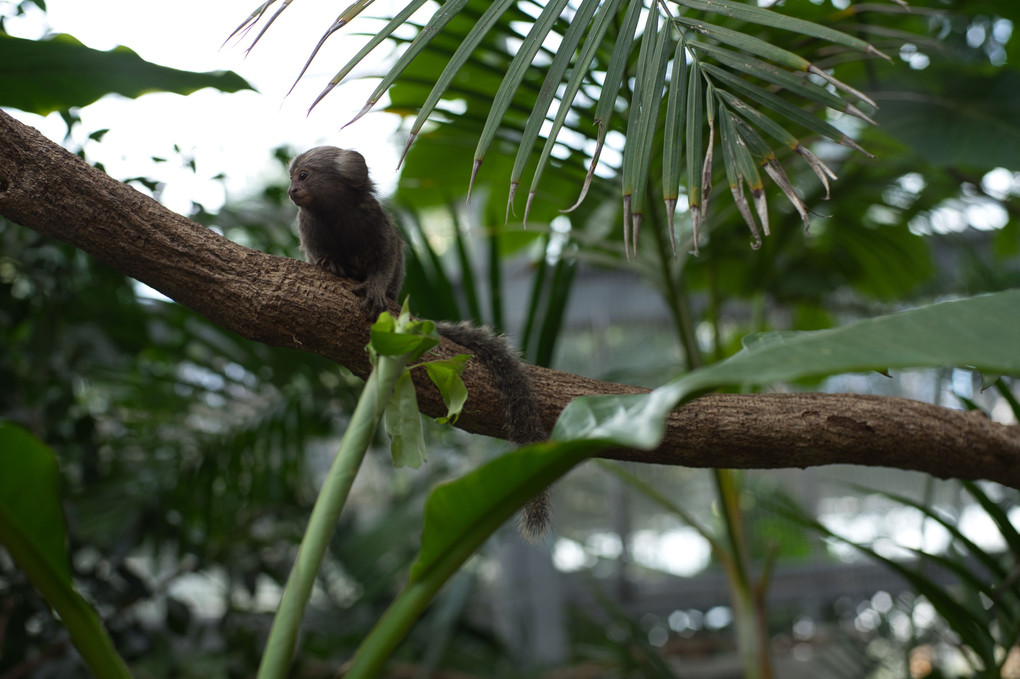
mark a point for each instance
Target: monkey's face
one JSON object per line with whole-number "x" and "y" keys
{"x": 319, "y": 175}
{"x": 299, "y": 192}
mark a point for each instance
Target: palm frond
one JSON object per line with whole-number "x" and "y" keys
{"x": 679, "y": 71}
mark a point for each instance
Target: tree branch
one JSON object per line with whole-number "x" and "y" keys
{"x": 284, "y": 302}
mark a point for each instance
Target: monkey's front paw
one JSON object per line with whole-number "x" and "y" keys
{"x": 374, "y": 302}
{"x": 373, "y": 306}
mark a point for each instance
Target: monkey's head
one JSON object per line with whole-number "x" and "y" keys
{"x": 322, "y": 174}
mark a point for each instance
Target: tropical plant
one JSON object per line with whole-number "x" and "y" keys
{"x": 976, "y": 619}
{"x": 599, "y": 57}
{"x": 181, "y": 436}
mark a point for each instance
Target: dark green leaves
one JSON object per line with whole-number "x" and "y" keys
{"x": 42, "y": 76}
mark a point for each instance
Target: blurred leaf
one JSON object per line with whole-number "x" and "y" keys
{"x": 403, "y": 424}
{"x": 33, "y": 531}
{"x": 951, "y": 116}
{"x": 42, "y": 76}
{"x": 30, "y": 502}
{"x": 987, "y": 630}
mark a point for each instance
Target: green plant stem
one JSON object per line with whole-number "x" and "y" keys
{"x": 748, "y": 602}
{"x": 749, "y": 618}
{"x": 283, "y": 635}
{"x": 673, "y": 290}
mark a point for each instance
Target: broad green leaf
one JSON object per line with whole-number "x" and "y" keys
{"x": 33, "y": 531}
{"x": 461, "y": 514}
{"x": 42, "y": 76}
{"x": 978, "y": 332}
{"x": 30, "y": 497}
{"x": 459, "y": 517}
{"x": 403, "y": 424}
{"x": 446, "y": 376}
{"x": 631, "y": 420}
{"x": 396, "y": 337}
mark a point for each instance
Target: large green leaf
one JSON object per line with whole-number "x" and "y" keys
{"x": 979, "y": 332}
{"x": 33, "y": 531}
{"x": 459, "y": 517}
{"x": 30, "y": 499}
{"x": 42, "y": 76}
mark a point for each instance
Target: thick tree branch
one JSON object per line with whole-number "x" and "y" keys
{"x": 284, "y": 302}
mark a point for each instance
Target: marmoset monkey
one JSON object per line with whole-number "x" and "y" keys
{"x": 345, "y": 230}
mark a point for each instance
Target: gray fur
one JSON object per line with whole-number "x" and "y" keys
{"x": 343, "y": 227}
{"x": 345, "y": 230}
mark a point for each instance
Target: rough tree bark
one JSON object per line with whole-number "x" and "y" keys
{"x": 285, "y": 302}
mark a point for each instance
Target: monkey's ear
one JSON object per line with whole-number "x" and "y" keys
{"x": 352, "y": 167}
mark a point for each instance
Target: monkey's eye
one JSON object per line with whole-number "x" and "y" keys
{"x": 302, "y": 175}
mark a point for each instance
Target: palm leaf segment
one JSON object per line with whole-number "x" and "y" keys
{"x": 686, "y": 72}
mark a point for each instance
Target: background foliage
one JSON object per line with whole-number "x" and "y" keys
{"x": 189, "y": 455}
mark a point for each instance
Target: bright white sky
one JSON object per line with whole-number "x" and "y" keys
{"x": 230, "y": 133}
